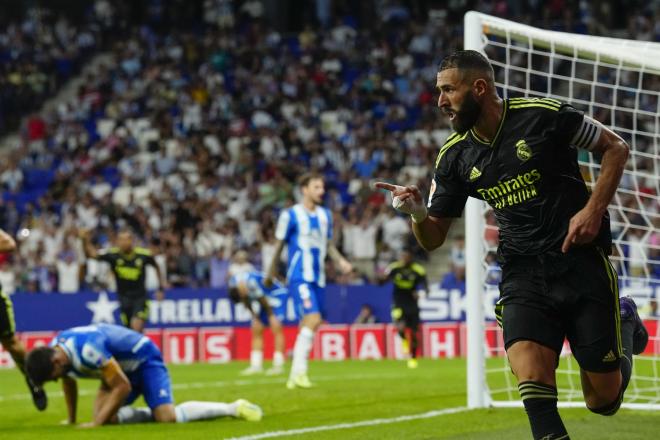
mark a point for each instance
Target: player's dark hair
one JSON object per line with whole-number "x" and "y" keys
{"x": 466, "y": 60}
{"x": 234, "y": 295}
{"x": 39, "y": 364}
{"x": 304, "y": 179}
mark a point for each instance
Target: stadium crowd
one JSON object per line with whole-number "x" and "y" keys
{"x": 193, "y": 138}
{"x": 38, "y": 54}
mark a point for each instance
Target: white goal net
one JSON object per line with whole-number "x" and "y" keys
{"x": 617, "y": 82}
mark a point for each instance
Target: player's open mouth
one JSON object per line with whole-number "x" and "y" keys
{"x": 450, "y": 113}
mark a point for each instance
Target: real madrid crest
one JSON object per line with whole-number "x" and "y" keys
{"x": 523, "y": 151}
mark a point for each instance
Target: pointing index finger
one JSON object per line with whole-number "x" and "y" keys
{"x": 385, "y": 185}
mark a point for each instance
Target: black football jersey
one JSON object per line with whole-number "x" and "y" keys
{"x": 129, "y": 270}
{"x": 528, "y": 174}
{"x": 407, "y": 279}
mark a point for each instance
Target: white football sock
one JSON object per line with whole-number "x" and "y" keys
{"x": 193, "y": 410}
{"x": 257, "y": 359}
{"x": 278, "y": 359}
{"x": 301, "y": 351}
{"x": 129, "y": 414}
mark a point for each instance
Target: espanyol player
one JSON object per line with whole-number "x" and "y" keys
{"x": 128, "y": 364}
{"x": 268, "y": 308}
{"x": 306, "y": 229}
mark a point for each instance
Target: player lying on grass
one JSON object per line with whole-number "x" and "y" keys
{"x": 268, "y": 308}
{"x": 127, "y": 364}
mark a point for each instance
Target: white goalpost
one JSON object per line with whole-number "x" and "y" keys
{"x": 617, "y": 82}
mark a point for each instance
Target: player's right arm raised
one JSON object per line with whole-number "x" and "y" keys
{"x": 429, "y": 231}
{"x": 88, "y": 247}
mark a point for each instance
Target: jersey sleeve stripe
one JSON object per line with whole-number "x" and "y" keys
{"x": 548, "y": 101}
{"x": 419, "y": 269}
{"x": 394, "y": 265}
{"x": 448, "y": 145}
{"x": 451, "y": 136}
{"x": 534, "y": 104}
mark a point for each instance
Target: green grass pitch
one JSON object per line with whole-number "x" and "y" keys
{"x": 345, "y": 392}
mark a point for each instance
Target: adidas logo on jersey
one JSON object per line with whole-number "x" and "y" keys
{"x": 474, "y": 174}
{"x": 609, "y": 357}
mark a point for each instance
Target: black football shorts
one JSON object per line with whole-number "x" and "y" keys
{"x": 555, "y": 296}
{"x": 133, "y": 307}
{"x": 408, "y": 314}
{"x": 7, "y": 323}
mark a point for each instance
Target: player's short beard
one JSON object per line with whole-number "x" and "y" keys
{"x": 467, "y": 116}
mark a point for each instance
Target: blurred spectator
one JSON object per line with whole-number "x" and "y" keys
{"x": 179, "y": 267}
{"x": 240, "y": 264}
{"x": 349, "y": 230}
{"x": 7, "y": 277}
{"x": 650, "y": 310}
{"x": 353, "y": 278}
{"x": 11, "y": 177}
{"x": 385, "y": 256}
{"x": 219, "y": 269}
{"x": 395, "y": 229}
{"x": 364, "y": 247}
{"x": 458, "y": 251}
{"x": 493, "y": 270}
{"x": 637, "y": 252}
{"x": 366, "y": 315}
{"x": 68, "y": 273}
{"x": 455, "y": 278}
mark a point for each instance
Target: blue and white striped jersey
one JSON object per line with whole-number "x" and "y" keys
{"x": 255, "y": 285}
{"x": 91, "y": 347}
{"x": 307, "y": 235}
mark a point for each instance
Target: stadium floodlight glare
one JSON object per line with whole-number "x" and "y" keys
{"x": 613, "y": 80}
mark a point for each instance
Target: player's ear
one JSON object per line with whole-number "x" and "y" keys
{"x": 479, "y": 87}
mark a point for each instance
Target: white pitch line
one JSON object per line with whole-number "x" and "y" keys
{"x": 372, "y": 422}
{"x": 217, "y": 384}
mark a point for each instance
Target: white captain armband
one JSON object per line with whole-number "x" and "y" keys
{"x": 588, "y": 134}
